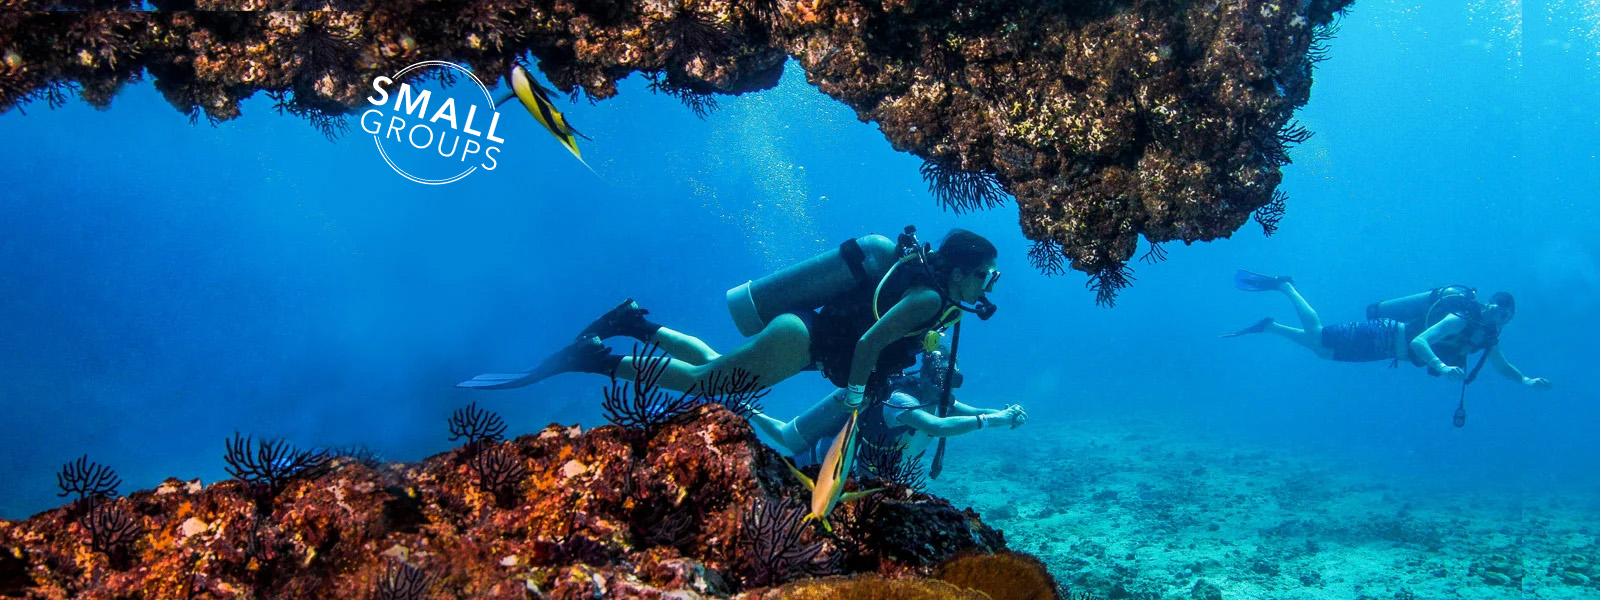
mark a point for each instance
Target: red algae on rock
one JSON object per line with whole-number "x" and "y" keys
{"x": 1106, "y": 120}
{"x": 578, "y": 524}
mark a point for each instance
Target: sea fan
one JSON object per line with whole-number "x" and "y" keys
{"x": 738, "y": 390}
{"x": 772, "y": 546}
{"x": 359, "y": 454}
{"x": 499, "y": 472}
{"x": 271, "y": 463}
{"x": 1046, "y": 256}
{"x": 87, "y": 479}
{"x": 691, "y": 33}
{"x": 1321, "y": 37}
{"x": 111, "y": 531}
{"x": 1109, "y": 280}
{"x": 1270, "y": 213}
{"x": 403, "y": 581}
{"x": 961, "y": 191}
{"x": 1293, "y": 133}
{"x": 477, "y": 426}
{"x": 1154, "y": 255}
{"x": 640, "y": 404}
{"x": 884, "y": 458}
{"x": 331, "y": 125}
{"x": 701, "y": 103}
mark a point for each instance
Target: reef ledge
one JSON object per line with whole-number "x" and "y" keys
{"x": 701, "y": 509}
{"x": 1105, "y": 120}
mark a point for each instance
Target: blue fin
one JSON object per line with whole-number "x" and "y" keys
{"x": 1258, "y": 327}
{"x": 1256, "y": 282}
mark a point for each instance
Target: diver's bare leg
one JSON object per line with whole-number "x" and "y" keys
{"x": 775, "y": 354}
{"x": 782, "y": 433}
{"x": 1308, "y": 316}
{"x": 1298, "y": 336}
{"x": 684, "y": 347}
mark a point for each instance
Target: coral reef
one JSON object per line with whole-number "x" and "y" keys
{"x": 586, "y": 517}
{"x": 1003, "y": 576}
{"x": 1105, "y": 120}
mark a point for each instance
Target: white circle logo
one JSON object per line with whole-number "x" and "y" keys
{"x": 420, "y": 133}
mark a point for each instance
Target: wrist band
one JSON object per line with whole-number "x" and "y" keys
{"x": 853, "y": 395}
{"x": 980, "y": 421}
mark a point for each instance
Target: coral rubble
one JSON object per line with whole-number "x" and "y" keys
{"x": 1106, "y": 120}
{"x": 584, "y": 516}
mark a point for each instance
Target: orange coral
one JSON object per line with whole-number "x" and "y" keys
{"x": 870, "y": 587}
{"x": 1003, "y": 576}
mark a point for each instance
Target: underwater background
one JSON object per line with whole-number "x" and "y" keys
{"x": 164, "y": 284}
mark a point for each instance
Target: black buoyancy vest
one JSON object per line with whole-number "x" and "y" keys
{"x": 1475, "y": 336}
{"x": 843, "y": 320}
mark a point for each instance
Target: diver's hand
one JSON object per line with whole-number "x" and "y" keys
{"x": 1538, "y": 383}
{"x": 1022, "y": 415}
{"x": 1454, "y": 373}
{"x": 1012, "y": 415}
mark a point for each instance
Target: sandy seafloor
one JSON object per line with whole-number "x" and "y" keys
{"x": 1135, "y": 510}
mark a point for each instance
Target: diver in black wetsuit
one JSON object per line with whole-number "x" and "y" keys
{"x": 858, "y": 314}
{"x": 1438, "y": 329}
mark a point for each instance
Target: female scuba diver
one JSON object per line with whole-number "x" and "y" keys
{"x": 858, "y": 314}
{"x": 1438, "y": 329}
{"x": 907, "y": 419}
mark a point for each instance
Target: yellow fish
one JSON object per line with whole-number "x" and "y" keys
{"x": 828, "y": 491}
{"x": 537, "y": 100}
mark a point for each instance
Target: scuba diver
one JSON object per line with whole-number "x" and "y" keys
{"x": 1438, "y": 329}
{"x": 858, "y": 314}
{"x": 908, "y": 418}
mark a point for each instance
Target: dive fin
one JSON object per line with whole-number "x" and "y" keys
{"x": 1256, "y": 282}
{"x": 586, "y": 355}
{"x": 497, "y": 381}
{"x": 1258, "y": 327}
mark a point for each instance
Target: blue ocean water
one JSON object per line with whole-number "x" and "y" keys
{"x": 164, "y": 284}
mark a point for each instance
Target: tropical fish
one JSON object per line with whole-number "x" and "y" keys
{"x": 537, "y": 100}
{"x": 828, "y": 491}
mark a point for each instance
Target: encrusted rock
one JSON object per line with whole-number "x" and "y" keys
{"x": 1107, "y": 120}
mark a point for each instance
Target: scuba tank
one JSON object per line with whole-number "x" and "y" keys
{"x": 1421, "y": 310}
{"x": 810, "y": 284}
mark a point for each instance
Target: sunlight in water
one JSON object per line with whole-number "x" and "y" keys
{"x": 751, "y": 180}
{"x": 1500, "y": 24}
{"x": 1581, "y": 21}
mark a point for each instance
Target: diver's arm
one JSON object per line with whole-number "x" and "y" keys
{"x": 1421, "y": 346}
{"x": 962, "y": 410}
{"x": 916, "y": 307}
{"x": 927, "y": 423}
{"x": 1510, "y": 371}
{"x": 1503, "y": 366}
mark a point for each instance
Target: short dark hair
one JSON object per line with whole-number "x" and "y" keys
{"x": 1504, "y": 300}
{"x": 962, "y": 249}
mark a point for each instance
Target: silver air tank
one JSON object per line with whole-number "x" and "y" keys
{"x": 806, "y": 285}
{"x": 1404, "y": 308}
{"x": 1416, "y": 306}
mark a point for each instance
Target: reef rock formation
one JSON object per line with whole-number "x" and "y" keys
{"x": 559, "y": 514}
{"x": 1106, "y": 119}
